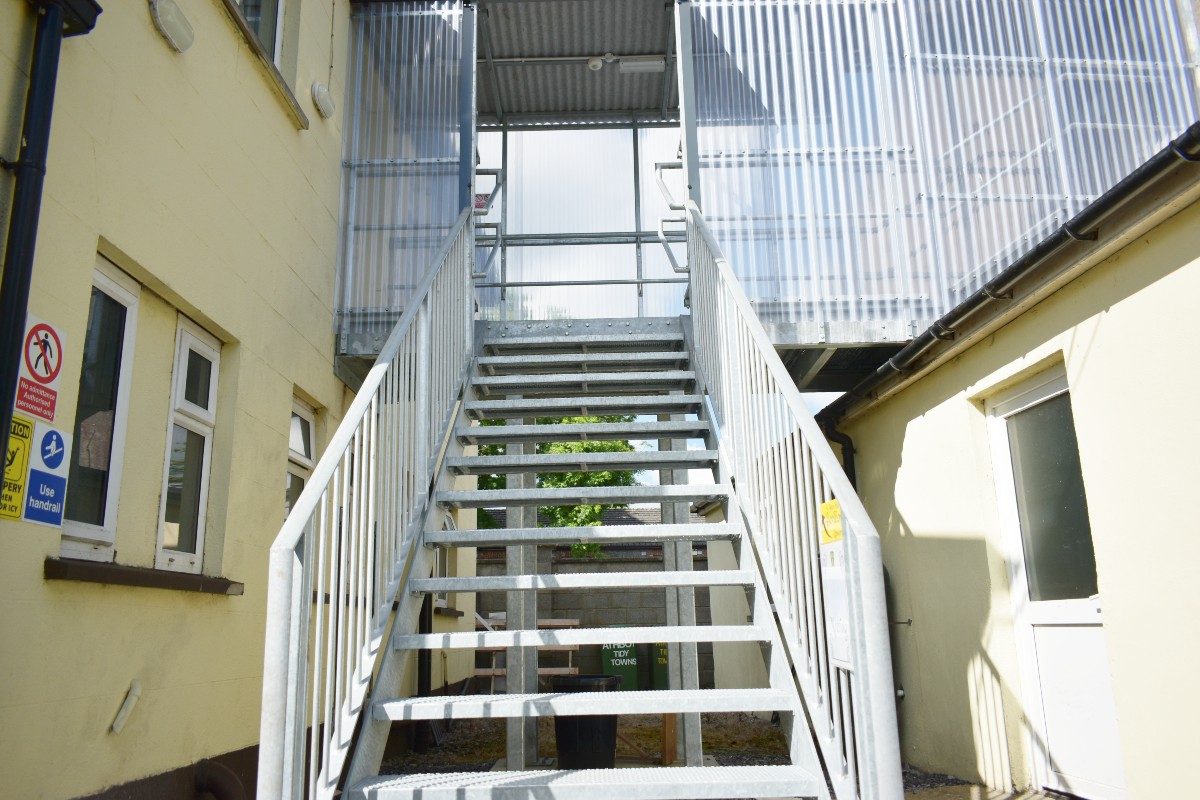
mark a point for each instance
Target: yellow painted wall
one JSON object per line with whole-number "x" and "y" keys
{"x": 190, "y": 174}
{"x": 1124, "y": 332}
{"x": 736, "y": 665}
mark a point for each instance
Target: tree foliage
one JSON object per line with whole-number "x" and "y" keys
{"x": 567, "y": 516}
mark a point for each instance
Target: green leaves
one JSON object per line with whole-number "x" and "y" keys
{"x": 567, "y": 516}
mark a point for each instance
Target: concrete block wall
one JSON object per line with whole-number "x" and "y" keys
{"x": 602, "y": 607}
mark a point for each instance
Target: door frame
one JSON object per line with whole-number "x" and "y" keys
{"x": 1034, "y": 390}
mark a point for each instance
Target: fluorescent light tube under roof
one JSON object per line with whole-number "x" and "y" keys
{"x": 634, "y": 64}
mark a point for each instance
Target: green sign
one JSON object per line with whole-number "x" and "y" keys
{"x": 658, "y": 666}
{"x": 621, "y": 659}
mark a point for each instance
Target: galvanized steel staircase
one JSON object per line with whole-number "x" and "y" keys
{"x": 565, "y": 370}
{"x": 354, "y": 561}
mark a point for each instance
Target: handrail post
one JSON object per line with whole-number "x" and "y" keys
{"x": 424, "y": 388}
{"x": 301, "y": 606}
{"x": 338, "y": 514}
{"x": 274, "y": 773}
{"x": 849, "y": 692}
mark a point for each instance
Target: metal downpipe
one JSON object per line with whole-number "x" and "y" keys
{"x": 29, "y": 171}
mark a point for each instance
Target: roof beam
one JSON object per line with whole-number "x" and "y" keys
{"x": 577, "y": 120}
{"x": 522, "y": 61}
{"x": 669, "y": 55}
{"x": 486, "y": 35}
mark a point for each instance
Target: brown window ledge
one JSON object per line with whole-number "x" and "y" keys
{"x": 278, "y": 83}
{"x": 76, "y": 569}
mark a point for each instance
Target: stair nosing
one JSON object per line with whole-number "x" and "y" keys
{"x": 583, "y": 580}
{"x": 461, "y": 640}
{"x": 582, "y": 703}
{"x": 484, "y": 537}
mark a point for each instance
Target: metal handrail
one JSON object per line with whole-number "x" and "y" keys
{"x": 674, "y": 206}
{"x": 816, "y": 546}
{"x": 339, "y": 558}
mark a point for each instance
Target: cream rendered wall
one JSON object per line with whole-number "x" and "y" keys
{"x": 1124, "y": 332}
{"x": 189, "y": 173}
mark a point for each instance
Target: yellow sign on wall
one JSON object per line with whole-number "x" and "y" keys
{"x": 16, "y": 467}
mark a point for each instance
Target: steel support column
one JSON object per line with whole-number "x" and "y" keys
{"x": 466, "y": 109}
{"x": 687, "y": 98}
{"x": 521, "y": 663}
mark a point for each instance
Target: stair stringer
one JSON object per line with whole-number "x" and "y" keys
{"x": 367, "y": 752}
{"x": 802, "y": 745}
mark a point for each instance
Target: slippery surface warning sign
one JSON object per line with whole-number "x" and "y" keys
{"x": 41, "y": 368}
{"x": 16, "y": 468}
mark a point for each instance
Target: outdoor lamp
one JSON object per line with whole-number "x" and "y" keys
{"x": 172, "y": 24}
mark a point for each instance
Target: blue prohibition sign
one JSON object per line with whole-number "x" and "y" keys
{"x": 52, "y": 449}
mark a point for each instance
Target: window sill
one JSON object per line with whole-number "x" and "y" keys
{"x": 74, "y": 569}
{"x": 278, "y": 83}
{"x": 445, "y": 611}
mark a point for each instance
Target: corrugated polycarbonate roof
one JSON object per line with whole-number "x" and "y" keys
{"x": 539, "y": 51}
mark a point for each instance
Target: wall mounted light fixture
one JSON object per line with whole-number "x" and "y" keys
{"x": 172, "y": 24}
{"x": 322, "y": 99}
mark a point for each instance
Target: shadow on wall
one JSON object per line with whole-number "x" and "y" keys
{"x": 959, "y": 710}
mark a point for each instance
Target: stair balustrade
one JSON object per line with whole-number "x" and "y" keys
{"x": 345, "y": 549}
{"x": 815, "y": 544}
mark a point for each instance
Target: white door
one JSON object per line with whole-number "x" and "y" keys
{"x": 1066, "y": 683}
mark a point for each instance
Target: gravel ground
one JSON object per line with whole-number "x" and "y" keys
{"x": 915, "y": 779}
{"x": 731, "y": 739}
{"x": 476, "y": 744}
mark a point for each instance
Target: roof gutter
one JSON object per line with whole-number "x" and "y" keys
{"x": 1083, "y": 227}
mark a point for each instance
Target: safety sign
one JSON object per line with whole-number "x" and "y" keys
{"x": 41, "y": 368}
{"x": 834, "y": 583}
{"x": 46, "y": 492}
{"x": 16, "y": 467}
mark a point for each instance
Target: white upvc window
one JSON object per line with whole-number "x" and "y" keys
{"x": 189, "y": 449}
{"x": 101, "y": 416}
{"x": 265, "y": 18}
{"x": 300, "y": 453}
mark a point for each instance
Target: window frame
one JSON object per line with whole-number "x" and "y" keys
{"x": 83, "y": 539}
{"x": 275, "y": 54}
{"x": 299, "y": 464}
{"x": 202, "y": 421}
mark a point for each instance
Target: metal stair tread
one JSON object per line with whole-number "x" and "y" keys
{"x": 655, "y": 376}
{"x": 580, "y": 495}
{"x": 638, "y": 340}
{"x": 639, "y": 783}
{"x": 525, "y": 363}
{"x": 567, "y": 704}
{"x": 582, "y": 406}
{"x": 499, "y": 537}
{"x": 586, "y": 431}
{"x": 584, "y": 580}
{"x": 580, "y": 462}
{"x": 541, "y": 636}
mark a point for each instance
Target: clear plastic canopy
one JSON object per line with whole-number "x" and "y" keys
{"x": 400, "y": 160}
{"x": 868, "y": 165}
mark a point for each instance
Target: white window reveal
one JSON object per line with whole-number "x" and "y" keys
{"x": 189, "y": 449}
{"x": 101, "y": 416}
{"x": 300, "y": 454}
{"x": 265, "y": 18}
